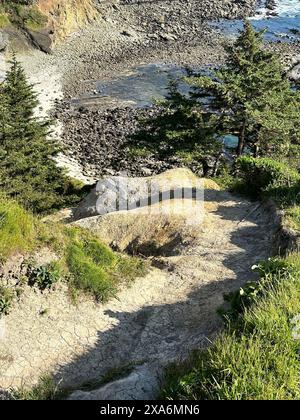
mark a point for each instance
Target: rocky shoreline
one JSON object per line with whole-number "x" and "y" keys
{"x": 131, "y": 34}
{"x": 126, "y": 35}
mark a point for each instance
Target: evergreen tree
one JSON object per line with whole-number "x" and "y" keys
{"x": 28, "y": 172}
{"x": 252, "y": 97}
{"x": 181, "y": 129}
{"x": 249, "y": 97}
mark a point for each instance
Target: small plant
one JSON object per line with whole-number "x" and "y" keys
{"x": 45, "y": 276}
{"x": 45, "y": 389}
{"x": 6, "y": 298}
{"x": 247, "y": 295}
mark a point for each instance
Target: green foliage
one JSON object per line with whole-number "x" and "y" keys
{"x": 85, "y": 262}
{"x": 252, "y": 97}
{"x": 46, "y": 389}
{"x": 265, "y": 176}
{"x": 96, "y": 269}
{"x": 45, "y": 276}
{"x": 6, "y": 298}
{"x": 33, "y": 19}
{"x": 4, "y": 20}
{"x": 293, "y": 217}
{"x": 99, "y": 253}
{"x": 248, "y": 294}
{"x": 23, "y": 14}
{"x": 256, "y": 358}
{"x": 18, "y": 229}
{"x": 87, "y": 275}
{"x": 28, "y": 172}
{"x": 182, "y": 129}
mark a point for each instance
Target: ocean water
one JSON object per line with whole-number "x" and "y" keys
{"x": 146, "y": 83}
{"x": 281, "y": 27}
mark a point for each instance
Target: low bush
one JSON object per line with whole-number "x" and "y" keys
{"x": 45, "y": 276}
{"x": 265, "y": 176}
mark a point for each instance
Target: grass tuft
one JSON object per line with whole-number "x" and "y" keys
{"x": 18, "y": 229}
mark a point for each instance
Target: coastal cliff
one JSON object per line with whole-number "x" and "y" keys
{"x": 45, "y": 23}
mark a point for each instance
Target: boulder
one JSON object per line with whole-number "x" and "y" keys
{"x": 161, "y": 225}
{"x": 114, "y": 193}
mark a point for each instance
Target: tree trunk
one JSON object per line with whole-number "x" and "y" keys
{"x": 216, "y": 165}
{"x": 256, "y": 150}
{"x": 241, "y": 145}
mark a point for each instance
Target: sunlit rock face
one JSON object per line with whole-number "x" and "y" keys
{"x": 66, "y": 16}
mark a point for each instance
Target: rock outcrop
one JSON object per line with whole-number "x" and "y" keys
{"x": 67, "y": 16}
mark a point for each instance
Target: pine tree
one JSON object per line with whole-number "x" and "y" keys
{"x": 21, "y": 102}
{"x": 249, "y": 97}
{"x": 181, "y": 129}
{"x": 28, "y": 172}
{"x": 252, "y": 97}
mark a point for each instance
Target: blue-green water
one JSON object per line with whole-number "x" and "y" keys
{"x": 149, "y": 82}
{"x": 282, "y": 27}
{"x": 144, "y": 85}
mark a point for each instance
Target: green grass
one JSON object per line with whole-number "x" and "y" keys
{"x": 85, "y": 262}
{"x": 18, "y": 229}
{"x": 88, "y": 275}
{"x": 46, "y": 389}
{"x": 27, "y": 16}
{"x": 34, "y": 19}
{"x": 4, "y": 20}
{"x": 95, "y": 268}
{"x": 293, "y": 217}
{"x": 254, "y": 358}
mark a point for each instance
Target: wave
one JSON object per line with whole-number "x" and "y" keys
{"x": 283, "y": 9}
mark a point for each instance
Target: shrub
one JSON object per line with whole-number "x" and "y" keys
{"x": 45, "y": 276}
{"x": 265, "y": 176}
{"x": 6, "y": 298}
